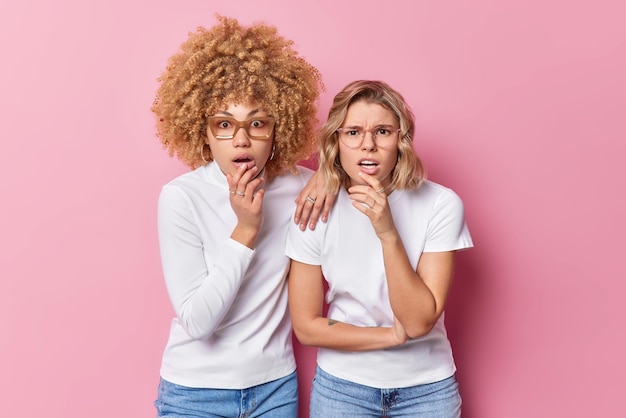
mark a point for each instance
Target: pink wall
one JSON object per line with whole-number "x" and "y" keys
{"x": 521, "y": 108}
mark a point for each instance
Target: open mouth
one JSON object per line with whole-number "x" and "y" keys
{"x": 368, "y": 164}
{"x": 244, "y": 160}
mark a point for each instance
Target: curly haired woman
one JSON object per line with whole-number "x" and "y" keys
{"x": 237, "y": 105}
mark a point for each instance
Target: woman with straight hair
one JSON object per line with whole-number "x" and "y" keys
{"x": 387, "y": 255}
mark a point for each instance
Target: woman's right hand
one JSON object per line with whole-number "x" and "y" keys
{"x": 246, "y": 199}
{"x": 314, "y": 200}
{"x": 398, "y": 333}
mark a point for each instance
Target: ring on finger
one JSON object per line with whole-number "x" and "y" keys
{"x": 310, "y": 200}
{"x": 381, "y": 190}
{"x": 240, "y": 193}
{"x": 232, "y": 192}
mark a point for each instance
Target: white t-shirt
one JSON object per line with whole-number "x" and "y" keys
{"x": 232, "y": 328}
{"x": 429, "y": 219}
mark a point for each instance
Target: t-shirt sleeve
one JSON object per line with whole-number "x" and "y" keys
{"x": 447, "y": 230}
{"x": 200, "y": 294}
{"x": 304, "y": 246}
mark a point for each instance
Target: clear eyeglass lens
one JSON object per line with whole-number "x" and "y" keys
{"x": 353, "y": 137}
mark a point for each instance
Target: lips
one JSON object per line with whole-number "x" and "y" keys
{"x": 367, "y": 162}
{"x": 242, "y": 159}
{"x": 368, "y": 165}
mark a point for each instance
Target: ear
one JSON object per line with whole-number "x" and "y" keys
{"x": 207, "y": 152}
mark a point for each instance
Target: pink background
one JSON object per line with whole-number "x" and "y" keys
{"x": 521, "y": 108}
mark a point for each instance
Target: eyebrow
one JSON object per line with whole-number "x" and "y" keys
{"x": 381, "y": 125}
{"x": 251, "y": 113}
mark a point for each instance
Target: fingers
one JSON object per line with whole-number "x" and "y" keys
{"x": 371, "y": 194}
{"x": 243, "y": 181}
{"x": 312, "y": 202}
{"x": 399, "y": 333}
{"x": 309, "y": 212}
{"x": 372, "y": 181}
{"x": 309, "y": 209}
{"x": 316, "y": 206}
{"x": 364, "y": 206}
{"x": 329, "y": 202}
{"x": 252, "y": 188}
{"x": 370, "y": 198}
{"x": 301, "y": 204}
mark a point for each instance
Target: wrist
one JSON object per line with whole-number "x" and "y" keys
{"x": 389, "y": 237}
{"x": 245, "y": 235}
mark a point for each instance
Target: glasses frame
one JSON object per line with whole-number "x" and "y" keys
{"x": 364, "y": 131}
{"x": 239, "y": 124}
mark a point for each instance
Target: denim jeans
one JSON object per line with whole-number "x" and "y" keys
{"x": 273, "y": 399}
{"x": 332, "y": 397}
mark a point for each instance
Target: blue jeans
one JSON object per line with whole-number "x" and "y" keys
{"x": 273, "y": 399}
{"x": 332, "y": 397}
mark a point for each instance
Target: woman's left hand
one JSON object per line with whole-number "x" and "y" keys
{"x": 371, "y": 199}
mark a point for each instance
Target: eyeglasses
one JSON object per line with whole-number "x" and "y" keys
{"x": 223, "y": 127}
{"x": 383, "y": 136}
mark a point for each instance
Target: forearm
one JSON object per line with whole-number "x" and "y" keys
{"x": 411, "y": 300}
{"x": 202, "y": 295}
{"x": 327, "y": 333}
{"x": 306, "y": 297}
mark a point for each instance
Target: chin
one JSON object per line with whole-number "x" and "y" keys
{"x": 357, "y": 182}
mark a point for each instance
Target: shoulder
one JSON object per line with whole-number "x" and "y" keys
{"x": 188, "y": 178}
{"x": 305, "y": 172}
{"x": 298, "y": 178}
{"x": 429, "y": 186}
{"x": 443, "y": 202}
{"x": 198, "y": 184}
{"x": 437, "y": 192}
{"x": 431, "y": 198}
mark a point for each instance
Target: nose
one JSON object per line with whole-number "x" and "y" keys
{"x": 241, "y": 138}
{"x": 368, "y": 140}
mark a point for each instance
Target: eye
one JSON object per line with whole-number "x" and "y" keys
{"x": 257, "y": 124}
{"x": 352, "y": 132}
{"x": 223, "y": 124}
{"x": 383, "y": 132}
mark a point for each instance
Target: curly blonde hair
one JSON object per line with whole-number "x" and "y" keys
{"x": 409, "y": 171}
{"x": 232, "y": 64}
